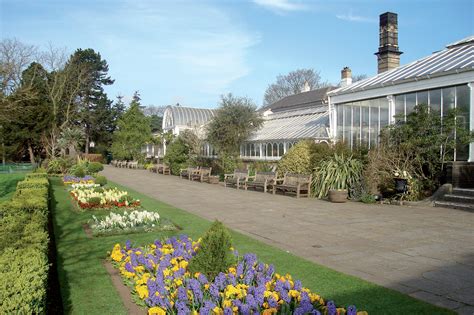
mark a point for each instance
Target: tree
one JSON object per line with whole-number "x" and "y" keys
{"x": 292, "y": 83}
{"x": 234, "y": 122}
{"x": 95, "y": 109}
{"x": 32, "y": 117}
{"x": 156, "y": 117}
{"x": 427, "y": 141}
{"x": 132, "y": 133}
{"x": 359, "y": 77}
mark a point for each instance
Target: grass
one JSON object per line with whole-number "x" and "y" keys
{"x": 8, "y": 185}
{"x": 86, "y": 287}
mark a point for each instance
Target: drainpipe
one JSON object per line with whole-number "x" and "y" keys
{"x": 471, "y": 120}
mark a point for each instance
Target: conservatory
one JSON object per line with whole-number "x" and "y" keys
{"x": 297, "y": 117}
{"x": 443, "y": 80}
{"x": 176, "y": 119}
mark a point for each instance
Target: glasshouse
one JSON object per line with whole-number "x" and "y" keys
{"x": 293, "y": 118}
{"x": 442, "y": 80}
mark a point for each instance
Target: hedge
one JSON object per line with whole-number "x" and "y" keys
{"x": 24, "y": 247}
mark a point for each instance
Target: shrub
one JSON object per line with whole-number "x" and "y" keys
{"x": 94, "y": 167}
{"x": 23, "y": 244}
{"x": 40, "y": 170}
{"x": 78, "y": 170}
{"x": 297, "y": 159}
{"x": 23, "y": 281}
{"x": 36, "y": 175}
{"x": 59, "y": 165}
{"x": 176, "y": 155}
{"x": 339, "y": 172}
{"x": 101, "y": 180}
{"x": 214, "y": 255}
{"x": 32, "y": 183}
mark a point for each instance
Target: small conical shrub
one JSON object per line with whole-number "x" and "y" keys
{"x": 214, "y": 254}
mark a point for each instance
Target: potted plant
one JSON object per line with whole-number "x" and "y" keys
{"x": 333, "y": 177}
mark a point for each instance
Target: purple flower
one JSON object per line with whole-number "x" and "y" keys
{"x": 331, "y": 308}
{"x": 129, "y": 267}
{"x": 214, "y": 291}
{"x": 195, "y": 287}
{"x": 297, "y": 285}
{"x": 228, "y": 311}
{"x": 202, "y": 279}
{"x": 351, "y": 310}
{"x": 272, "y": 303}
{"x": 182, "y": 294}
{"x": 206, "y": 308}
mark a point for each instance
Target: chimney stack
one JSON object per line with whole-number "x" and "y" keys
{"x": 346, "y": 77}
{"x": 388, "y": 56}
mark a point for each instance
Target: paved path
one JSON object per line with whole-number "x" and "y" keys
{"x": 425, "y": 252}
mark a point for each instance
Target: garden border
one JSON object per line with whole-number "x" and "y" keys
{"x": 124, "y": 292}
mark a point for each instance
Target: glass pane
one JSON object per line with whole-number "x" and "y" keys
{"x": 410, "y": 101}
{"x": 264, "y": 149}
{"x": 365, "y": 125}
{"x": 462, "y": 120}
{"x": 448, "y": 100}
{"x": 289, "y": 145}
{"x": 269, "y": 149}
{"x": 252, "y": 150}
{"x": 275, "y": 150}
{"x": 280, "y": 149}
{"x": 384, "y": 114}
{"x": 435, "y": 100}
{"x": 374, "y": 125}
{"x": 355, "y": 126}
{"x": 340, "y": 120}
{"x": 257, "y": 150}
{"x": 422, "y": 98}
{"x": 400, "y": 107}
{"x": 347, "y": 123}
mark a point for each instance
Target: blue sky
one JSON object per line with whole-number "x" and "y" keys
{"x": 192, "y": 52}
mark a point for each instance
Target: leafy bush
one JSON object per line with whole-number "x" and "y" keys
{"x": 177, "y": 154}
{"x": 94, "y": 167}
{"x": 214, "y": 255}
{"x": 36, "y": 175}
{"x": 33, "y": 183}
{"x": 297, "y": 159}
{"x": 23, "y": 244}
{"x": 59, "y": 165}
{"x": 339, "y": 172}
{"x": 41, "y": 170}
{"x": 101, "y": 180}
{"x": 23, "y": 281}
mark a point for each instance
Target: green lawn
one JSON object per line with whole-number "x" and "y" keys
{"x": 87, "y": 289}
{"x": 8, "y": 185}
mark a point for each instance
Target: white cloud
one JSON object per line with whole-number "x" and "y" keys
{"x": 355, "y": 18}
{"x": 182, "y": 51}
{"x": 280, "y": 6}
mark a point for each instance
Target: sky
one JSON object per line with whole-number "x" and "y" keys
{"x": 192, "y": 52}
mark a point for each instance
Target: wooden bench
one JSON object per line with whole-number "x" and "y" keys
{"x": 187, "y": 172}
{"x": 202, "y": 174}
{"x": 238, "y": 179}
{"x": 163, "y": 169}
{"x": 263, "y": 180}
{"x": 133, "y": 164}
{"x": 295, "y": 183}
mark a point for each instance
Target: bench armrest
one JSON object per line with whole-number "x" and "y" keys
{"x": 228, "y": 175}
{"x": 277, "y": 180}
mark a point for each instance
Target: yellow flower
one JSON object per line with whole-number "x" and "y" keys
{"x": 294, "y": 293}
{"x": 227, "y": 303}
{"x": 218, "y": 311}
{"x": 156, "y": 311}
{"x": 116, "y": 253}
{"x": 270, "y": 311}
{"x": 178, "y": 282}
{"x": 142, "y": 291}
{"x": 183, "y": 264}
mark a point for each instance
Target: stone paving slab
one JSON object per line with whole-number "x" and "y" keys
{"x": 423, "y": 251}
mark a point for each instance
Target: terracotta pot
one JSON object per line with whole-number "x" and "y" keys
{"x": 338, "y": 196}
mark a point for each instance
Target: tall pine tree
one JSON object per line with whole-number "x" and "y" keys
{"x": 96, "y": 114}
{"x": 133, "y": 131}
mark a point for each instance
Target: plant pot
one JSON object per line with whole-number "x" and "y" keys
{"x": 338, "y": 196}
{"x": 401, "y": 185}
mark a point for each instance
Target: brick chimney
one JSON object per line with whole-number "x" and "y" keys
{"x": 388, "y": 56}
{"x": 346, "y": 77}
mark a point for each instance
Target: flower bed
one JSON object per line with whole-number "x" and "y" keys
{"x": 100, "y": 198}
{"x": 69, "y": 180}
{"x": 160, "y": 280}
{"x": 134, "y": 221}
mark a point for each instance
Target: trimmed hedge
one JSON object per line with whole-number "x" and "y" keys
{"x": 24, "y": 247}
